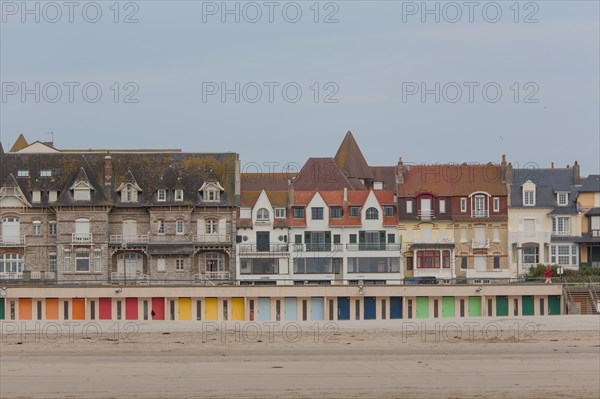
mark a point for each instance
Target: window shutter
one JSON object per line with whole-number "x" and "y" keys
{"x": 222, "y": 227}
{"x": 361, "y": 236}
{"x": 307, "y": 237}
{"x": 328, "y": 237}
{"x": 201, "y": 229}
{"x": 382, "y": 237}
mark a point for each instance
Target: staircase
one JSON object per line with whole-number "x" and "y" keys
{"x": 580, "y": 300}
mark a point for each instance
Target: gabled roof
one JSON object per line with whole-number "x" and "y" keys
{"x": 351, "y": 160}
{"x": 321, "y": 174}
{"x": 128, "y": 178}
{"x": 547, "y": 183}
{"x": 591, "y": 184}
{"x": 82, "y": 177}
{"x": 266, "y": 181}
{"x": 451, "y": 180}
{"x": 19, "y": 144}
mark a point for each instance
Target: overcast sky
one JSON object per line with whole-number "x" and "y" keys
{"x": 362, "y": 71}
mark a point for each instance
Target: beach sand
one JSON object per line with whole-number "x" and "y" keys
{"x": 533, "y": 357}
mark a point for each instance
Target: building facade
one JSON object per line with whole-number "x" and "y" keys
{"x": 588, "y": 199}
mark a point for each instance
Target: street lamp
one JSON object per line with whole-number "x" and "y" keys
{"x": 124, "y": 248}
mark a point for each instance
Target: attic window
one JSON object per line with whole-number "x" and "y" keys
{"x": 562, "y": 199}
{"x": 212, "y": 195}
{"x": 211, "y": 191}
{"x": 378, "y": 185}
{"x": 11, "y": 191}
{"x": 45, "y": 173}
{"x": 81, "y": 193}
{"x": 129, "y": 194}
{"x": 162, "y": 195}
{"x": 36, "y": 196}
{"x": 23, "y": 173}
{"x": 52, "y": 196}
{"x": 178, "y": 195}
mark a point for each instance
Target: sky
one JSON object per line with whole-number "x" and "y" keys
{"x": 278, "y": 82}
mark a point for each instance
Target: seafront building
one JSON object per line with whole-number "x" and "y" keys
{"x": 169, "y": 235}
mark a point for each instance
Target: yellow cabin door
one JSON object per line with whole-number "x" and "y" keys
{"x": 237, "y": 308}
{"x": 185, "y": 309}
{"x": 212, "y": 308}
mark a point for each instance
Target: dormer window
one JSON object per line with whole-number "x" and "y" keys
{"x": 211, "y": 191}
{"x": 45, "y": 173}
{"x": 161, "y": 195}
{"x": 178, "y": 195}
{"x": 212, "y": 195}
{"x": 23, "y": 173}
{"x": 36, "y": 196}
{"x": 280, "y": 213}
{"x": 529, "y": 197}
{"x": 129, "y": 193}
{"x": 52, "y": 196}
{"x": 372, "y": 214}
{"x": 562, "y": 199}
{"x": 262, "y": 214}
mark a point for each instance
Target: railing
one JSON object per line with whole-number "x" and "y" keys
{"x": 81, "y": 238}
{"x": 425, "y": 214}
{"x": 594, "y": 295}
{"x": 374, "y": 246}
{"x": 11, "y": 275}
{"x": 571, "y": 307}
{"x": 321, "y": 247}
{"x": 254, "y": 248}
{"x": 216, "y": 275}
{"x": 561, "y": 232}
{"x": 12, "y": 241}
{"x": 117, "y": 239}
{"x": 170, "y": 238}
{"x": 595, "y": 233}
{"x": 42, "y": 275}
{"x": 129, "y": 277}
{"x": 212, "y": 238}
{"x": 480, "y": 213}
{"x": 421, "y": 240}
{"x": 480, "y": 244}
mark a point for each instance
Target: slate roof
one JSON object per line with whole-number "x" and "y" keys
{"x": 351, "y": 160}
{"x": 548, "y": 182}
{"x": 278, "y": 181}
{"x": 591, "y": 184}
{"x": 151, "y": 171}
{"x": 451, "y": 180}
{"x": 321, "y": 174}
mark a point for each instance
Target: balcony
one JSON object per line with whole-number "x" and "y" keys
{"x": 318, "y": 247}
{"x": 81, "y": 238}
{"x": 11, "y": 275}
{"x": 216, "y": 275}
{"x": 426, "y": 214}
{"x": 129, "y": 277}
{"x": 43, "y": 275}
{"x": 374, "y": 246}
{"x": 135, "y": 239}
{"x": 212, "y": 238}
{"x": 561, "y": 233}
{"x": 595, "y": 233}
{"x": 256, "y": 249}
{"x": 480, "y": 213}
{"x": 12, "y": 241}
{"x": 480, "y": 244}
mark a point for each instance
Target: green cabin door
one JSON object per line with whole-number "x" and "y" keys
{"x": 527, "y": 305}
{"x": 474, "y": 306}
{"x": 501, "y": 306}
{"x": 422, "y": 307}
{"x": 553, "y": 305}
{"x": 1, "y": 308}
{"x": 448, "y": 306}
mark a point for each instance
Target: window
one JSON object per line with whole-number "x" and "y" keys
{"x": 562, "y": 199}
{"x": 528, "y": 197}
{"x": 561, "y": 225}
{"x": 389, "y": 210}
{"x": 179, "y": 263}
{"x": 45, "y": 173}
{"x": 178, "y": 195}
{"x": 162, "y": 195}
{"x": 82, "y": 193}
{"x": 161, "y": 226}
{"x": 563, "y": 254}
{"x": 52, "y": 196}
{"x": 428, "y": 259}
{"x": 355, "y": 211}
{"x": 82, "y": 260}
{"x": 496, "y": 234}
{"x": 212, "y": 195}
{"x": 67, "y": 264}
{"x": 37, "y": 228}
{"x": 530, "y": 254}
{"x": 479, "y": 206}
{"x": 409, "y": 263}
{"x": 179, "y": 227}
{"x": 212, "y": 226}
{"x": 496, "y": 262}
{"x": 129, "y": 194}
{"x": 52, "y": 262}
{"x": 463, "y": 204}
{"x": 352, "y": 238}
{"x": 317, "y": 213}
{"x": 280, "y": 213}
{"x": 161, "y": 265}
{"x": 11, "y": 263}
{"x": 97, "y": 260}
{"x": 262, "y": 214}
{"x": 496, "y": 204}
{"x": 463, "y": 234}
{"x": 595, "y": 226}
{"x": 372, "y": 214}
{"x": 52, "y": 227}
{"x": 23, "y": 173}
{"x": 215, "y": 262}
{"x": 298, "y": 239}
{"x": 442, "y": 205}
{"x": 529, "y": 225}
{"x": 409, "y": 206}
{"x": 335, "y": 212}
{"x": 298, "y": 212}
{"x": 36, "y": 196}
{"x": 337, "y": 239}
{"x": 446, "y": 259}
{"x": 463, "y": 262}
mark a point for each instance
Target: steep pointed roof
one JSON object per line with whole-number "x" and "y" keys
{"x": 19, "y": 144}
{"x": 350, "y": 159}
{"x": 321, "y": 174}
{"x": 82, "y": 177}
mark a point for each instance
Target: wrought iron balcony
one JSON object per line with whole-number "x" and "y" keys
{"x": 135, "y": 239}
{"x": 480, "y": 213}
{"x": 426, "y": 214}
{"x": 11, "y": 275}
{"x": 81, "y": 238}
{"x": 212, "y": 238}
{"x": 12, "y": 241}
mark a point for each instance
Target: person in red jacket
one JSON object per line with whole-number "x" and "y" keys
{"x": 548, "y": 274}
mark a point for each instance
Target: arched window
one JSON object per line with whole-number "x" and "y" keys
{"x": 262, "y": 214}
{"x": 372, "y": 214}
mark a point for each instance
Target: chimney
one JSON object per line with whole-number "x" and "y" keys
{"x": 400, "y": 171}
{"x": 345, "y": 195}
{"x": 552, "y": 165}
{"x": 108, "y": 171}
{"x": 576, "y": 174}
{"x": 290, "y": 192}
{"x": 503, "y": 167}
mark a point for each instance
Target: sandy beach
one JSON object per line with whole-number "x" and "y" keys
{"x": 546, "y": 357}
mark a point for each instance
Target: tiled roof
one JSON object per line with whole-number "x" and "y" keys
{"x": 452, "y": 180}
{"x": 321, "y": 174}
{"x": 350, "y": 159}
{"x": 266, "y": 181}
